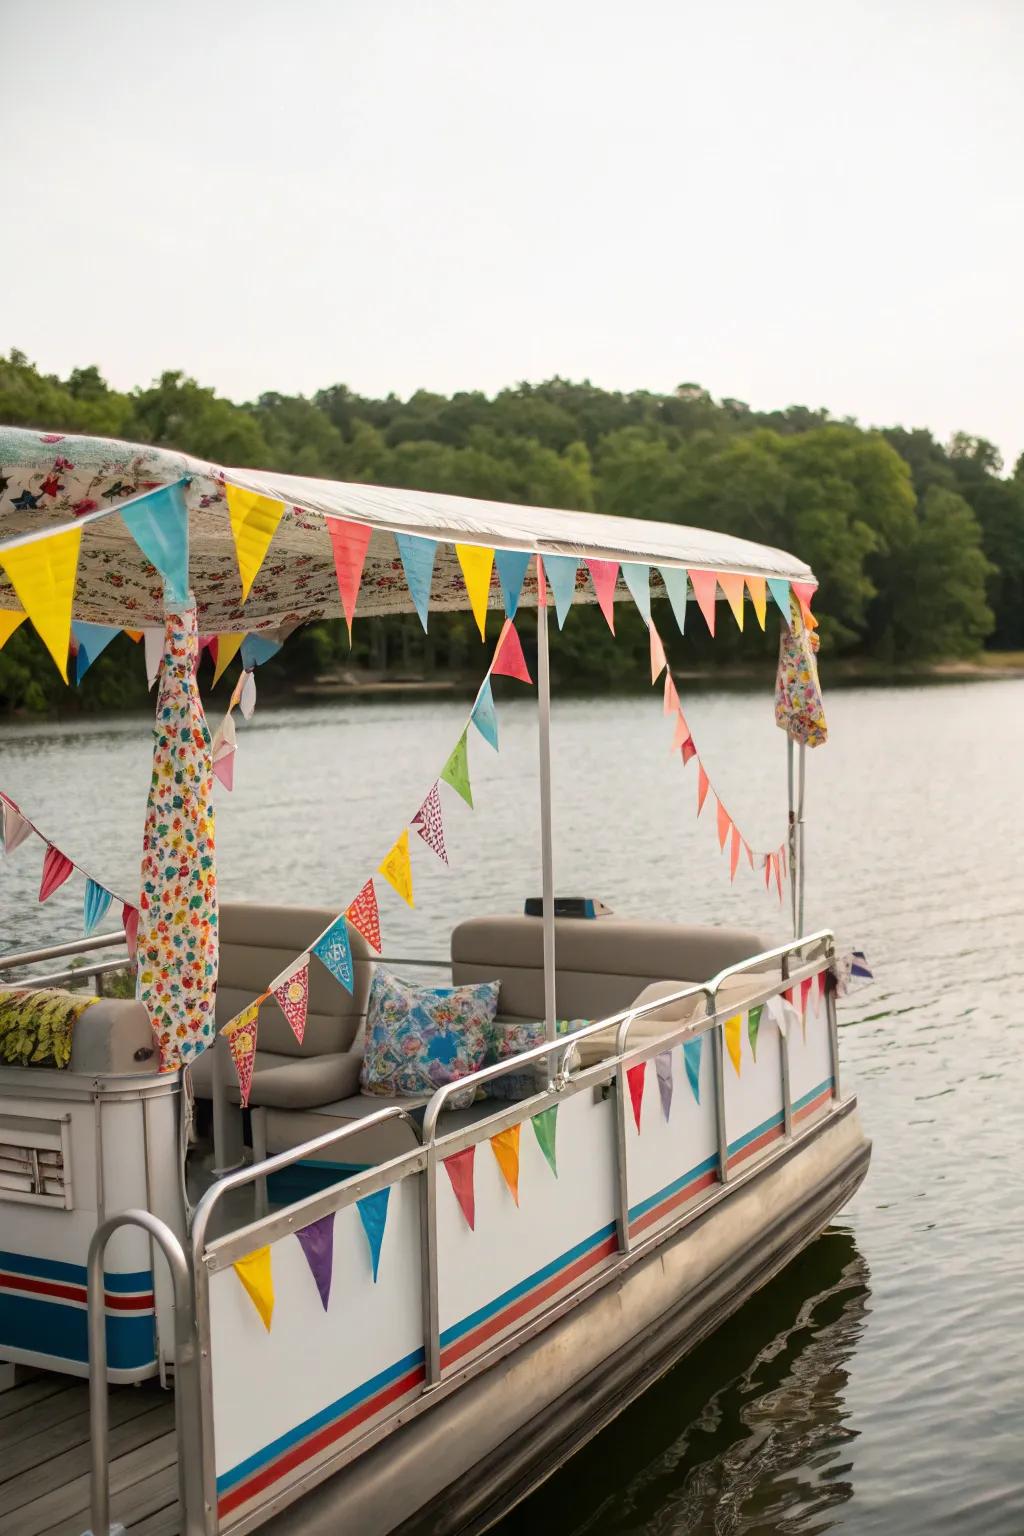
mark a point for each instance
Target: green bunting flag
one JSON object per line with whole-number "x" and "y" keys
{"x": 753, "y": 1025}
{"x": 456, "y": 771}
{"x": 544, "y": 1126}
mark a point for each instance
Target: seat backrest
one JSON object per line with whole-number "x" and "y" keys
{"x": 257, "y": 942}
{"x": 600, "y": 963}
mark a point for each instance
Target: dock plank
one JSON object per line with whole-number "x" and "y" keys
{"x": 44, "y": 1414}
{"x": 63, "y": 1438}
{"x": 26, "y": 1393}
{"x": 38, "y": 1479}
{"x": 142, "y": 1482}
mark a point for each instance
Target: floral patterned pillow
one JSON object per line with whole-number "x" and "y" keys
{"x": 419, "y": 1038}
{"x": 509, "y": 1037}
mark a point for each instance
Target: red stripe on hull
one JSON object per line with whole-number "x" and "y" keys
{"x": 56, "y": 1290}
{"x": 765, "y": 1139}
{"x": 673, "y": 1202}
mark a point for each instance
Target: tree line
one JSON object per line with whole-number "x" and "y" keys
{"x": 918, "y": 545}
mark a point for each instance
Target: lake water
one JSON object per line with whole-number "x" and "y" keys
{"x": 877, "y": 1385}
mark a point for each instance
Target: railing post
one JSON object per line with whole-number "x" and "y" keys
{"x": 718, "y": 1060}
{"x": 621, "y": 1165}
{"x": 428, "y": 1271}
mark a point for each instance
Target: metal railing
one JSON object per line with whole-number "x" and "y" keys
{"x": 76, "y": 947}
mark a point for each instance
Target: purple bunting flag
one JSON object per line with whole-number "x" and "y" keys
{"x": 317, "y": 1242}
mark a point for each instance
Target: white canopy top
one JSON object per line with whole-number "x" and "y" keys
{"x": 51, "y": 481}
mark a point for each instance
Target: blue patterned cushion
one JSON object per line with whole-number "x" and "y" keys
{"x": 509, "y": 1037}
{"x": 419, "y": 1038}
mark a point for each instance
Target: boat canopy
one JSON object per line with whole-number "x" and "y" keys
{"x": 51, "y": 482}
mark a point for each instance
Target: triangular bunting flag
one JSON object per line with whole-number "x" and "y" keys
{"x": 159, "y": 525}
{"x": 732, "y": 586}
{"x": 512, "y": 566}
{"x": 240, "y": 1035}
{"x": 397, "y": 868}
{"x": 758, "y": 589}
{"x": 43, "y": 575}
{"x": 805, "y": 992}
{"x": 671, "y": 695}
{"x": 545, "y": 1126}
{"x": 635, "y": 1078}
{"x": 734, "y": 851}
{"x": 778, "y": 875}
{"x": 604, "y": 574}
{"x": 509, "y": 660}
{"x": 682, "y": 732}
{"x": 703, "y": 785}
{"x": 130, "y": 924}
{"x": 688, "y": 750}
{"x": 733, "y": 1037}
{"x": 14, "y": 825}
{"x": 334, "y": 950}
{"x": 56, "y": 868}
{"x": 638, "y": 579}
{"x": 663, "y": 1068}
{"x": 542, "y": 585}
{"x": 349, "y": 543}
{"x": 484, "y": 717}
{"x": 749, "y": 853}
{"x": 658, "y": 662}
{"x": 779, "y": 590}
{"x": 10, "y": 619}
{"x": 753, "y": 1026}
{"x": 692, "y": 1052}
{"x": 477, "y": 564}
{"x": 456, "y": 771}
{"x": 364, "y": 915}
{"x": 505, "y": 1147}
{"x": 804, "y": 591}
{"x": 254, "y": 521}
{"x": 222, "y": 751}
{"x": 247, "y": 695}
{"x": 724, "y": 823}
{"x": 459, "y": 1168}
{"x": 373, "y": 1213}
{"x": 417, "y": 557}
{"x": 674, "y": 578}
{"x": 561, "y": 573}
{"x": 256, "y": 649}
{"x": 430, "y": 826}
{"x": 768, "y": 860}
{"x": 317, "y": 1243}
{"x": 97, "y": 900}
{"x": 292, "y": 993}
{"x": 228, "y": 647}
{"x": 703, "y": 584}
{"x": 255, "y": 1274}
{"x": 93, "y": 640}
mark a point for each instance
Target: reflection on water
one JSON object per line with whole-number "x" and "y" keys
{"x": 749, "y": 1433}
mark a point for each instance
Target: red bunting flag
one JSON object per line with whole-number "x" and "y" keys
{"x": 688, "y": 750}
{"x": 430, "y": 826}
{"x": 509, "y": 660}
{"x": 805, "y": 992}
{"x": 240, "y": 1036}
{"x": 349, "y": 543}
{"x": 635, "y": 1078}
{"x": 658, "y": 661}
{"x": 459, "y": 1168}
{"x": 671, "y": 695}
{"x": 703, "y": 584}
{"x": 703, "y": 785}
{"x": 364, "y": 915}
{"x": 292, "y": 993}
{"x": 682, "y": 732}
{"x": 724, "y": 823}
{"x": 604, "y": 574}
{"x": 56, "y": 868}
{"x": 734, "y": 851}
{"x": 130, "y": 923}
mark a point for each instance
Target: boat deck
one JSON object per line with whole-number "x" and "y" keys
{"x": 44, "y": 1458}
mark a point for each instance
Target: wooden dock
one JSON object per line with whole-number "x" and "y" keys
{"x": 44, "y": 1459}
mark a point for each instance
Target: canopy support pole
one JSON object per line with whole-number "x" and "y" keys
{"x": 800, "y": 778}
{"x": 546, "y": 849}
{"x": 791, "y": 833}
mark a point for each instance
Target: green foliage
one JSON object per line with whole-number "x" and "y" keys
{"x": 919, "y": 548}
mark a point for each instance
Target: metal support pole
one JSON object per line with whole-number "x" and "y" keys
{"x": 801, "y": 764}
{"x": 721, "y": 1129}
{"x": 546, "y": 849}
{"x": 187, "y": 1400}
{"x": 791, "y": 833}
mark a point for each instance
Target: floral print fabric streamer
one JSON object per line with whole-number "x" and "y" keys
{"x": 799, "y": 710}
{"x": 177, "y": 940}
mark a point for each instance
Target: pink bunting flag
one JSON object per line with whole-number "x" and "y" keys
{"x": 349, "y": 543}
{"x": 768, "y": 869}
{"x": 804, "y": 591}
{"x": 703, "y": 584}
{"x": 778, "y": 875}
{"x": 542, "y": 585}
{"x": 240, "y": 1037}
{"x": 509, "y": 660}
{"x": 749, "y": 853}
{"x": 459, "y": 1168}
{"x": 724, "y": 823}
{"x": 130, "y": 924}
{"x": 703, "y": 785}
{"x": 734, "y": 851}
{"x": 635, "y": 1078}
{"x": 688, "y": 750}
{"x": 15, "y": 826}
{"x": 682, "y": 732}
{"x": 56, "y": 869}
{"x": 781, "y": 856}
{"x": 658, "y": 661}
{"x": 671, "y": 695}
{"x": 292, "y": 993}
{"x": 604, "y": 574}
{"x": 364, "y": 915}
{"x": 430, "y": 826}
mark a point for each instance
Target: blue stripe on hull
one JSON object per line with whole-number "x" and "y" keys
{"x": 53, "y": 1328}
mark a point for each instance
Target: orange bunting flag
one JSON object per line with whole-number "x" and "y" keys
{"x": 255, "y": 1274}
{"x": 671, "y": 695}
{"x": 477, "y": 564}
{"x": 732, "y": 586}
{"x": 43, "y": 574}
{"x": 228, "y": 647}
{"x": 10, "y": 618}
{"x": 758, "y": 589}
{"x": 724, "y": 823}
{"x": 364, "y": 915}
{"x": 658, "y": 661}
{"x": 703, "y": 584}
{"x": 733, "y": 1039}
{"x": 254, "y": 521}
{"x": 604, "y": 574}
{"x": 505, "y": 1147}
{"x": 349, "y": 543}
{"x": 734, "y": 851}
{"x": 240, "y": 1036}
{"x": 509, "y": 660}
{"x": 397, "y": 868}
{"x": 459, "y": 1168}
{"x": 703, "y": 785}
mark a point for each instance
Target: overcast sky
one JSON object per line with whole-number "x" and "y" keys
{"x": 797, "y": 201}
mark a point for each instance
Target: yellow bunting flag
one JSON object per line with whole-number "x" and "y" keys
{"x": 397, "y": 868}
{"x": 477, "y": 563}
{"x": 733, "y": 1032}
{"x": 228, "y": 647}
{"x": 10, "y": 618}
{"x": 732, "y": 586}
{"x": 505, "y": 1147}
{"x": 758, "y": 589}
{"x": 254, "y": 521}
{"x": 43, "y": 575}
{"x": 254, "y": 1273}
